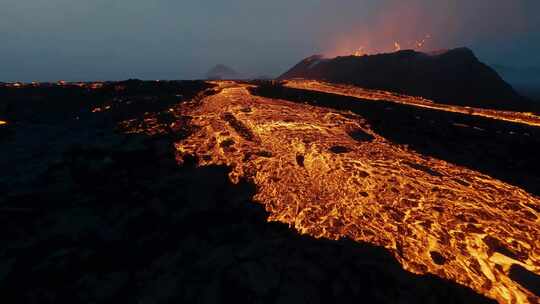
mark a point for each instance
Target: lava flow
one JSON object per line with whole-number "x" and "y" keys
{"x": 376, "y": 95}
{"x": 327, "y": 174}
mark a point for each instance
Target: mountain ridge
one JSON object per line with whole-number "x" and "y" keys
{"x": 454, "y": 76}
{"x": 221, "y": 71}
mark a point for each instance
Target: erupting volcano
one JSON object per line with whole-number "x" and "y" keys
{"x": 454, "y": 76}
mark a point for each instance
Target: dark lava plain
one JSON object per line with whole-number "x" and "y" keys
{"x": 90, "y": 214}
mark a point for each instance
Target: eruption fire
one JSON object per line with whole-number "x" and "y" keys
{"x": 357, "y": 92}
{"x": 417, "y": 45}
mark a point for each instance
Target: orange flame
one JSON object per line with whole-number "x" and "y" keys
{"x": 360, "y": 52}
{"x": 397, "y": 46}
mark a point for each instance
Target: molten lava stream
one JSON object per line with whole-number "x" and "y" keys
{"x": 327, "y": 174}
{"x": 357, "y": 92}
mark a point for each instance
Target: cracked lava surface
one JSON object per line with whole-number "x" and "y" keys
{"x": 327, "y": 174}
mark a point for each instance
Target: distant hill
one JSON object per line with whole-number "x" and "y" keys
{"x": 263, "y": 77}
{"x": 221, "y": 71}
{"x": 450, "y": 76}
{"x": 526, "y": 80}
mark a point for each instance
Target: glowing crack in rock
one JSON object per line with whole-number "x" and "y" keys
{"x": 327, "y": 174}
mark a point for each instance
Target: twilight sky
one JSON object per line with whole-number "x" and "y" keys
{"x": 49, "y": 40}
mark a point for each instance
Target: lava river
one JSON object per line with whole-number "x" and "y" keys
{"x": 327, "y": 174}
{"x": 525, "y": 118}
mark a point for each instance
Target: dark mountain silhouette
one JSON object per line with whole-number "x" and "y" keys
{"x": 221, "y": 71}
{"x": 451, "y": 76}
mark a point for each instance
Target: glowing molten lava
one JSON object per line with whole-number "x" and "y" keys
{"x": 328, "y": 174}
{"x": 374, "y": 95}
